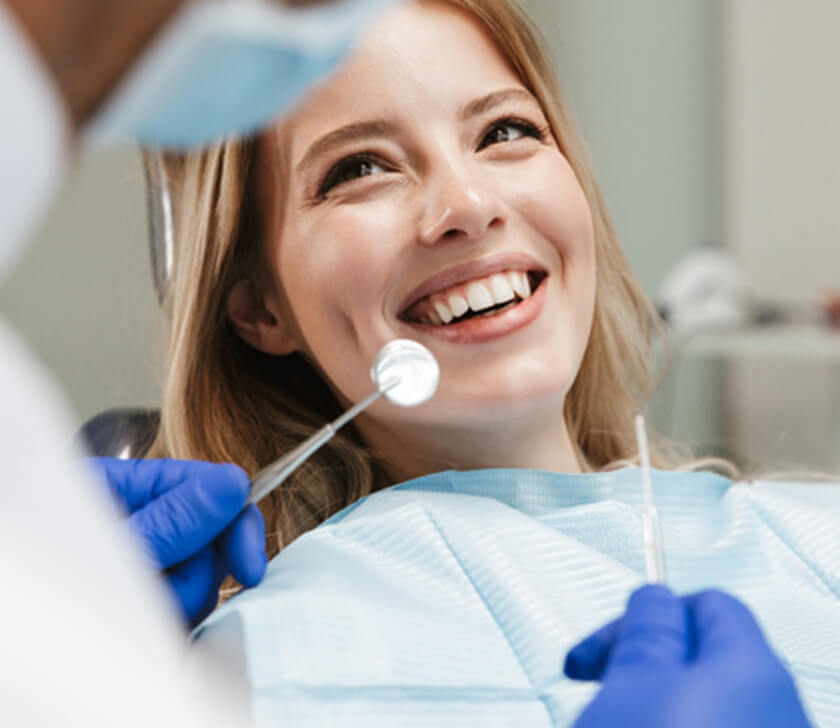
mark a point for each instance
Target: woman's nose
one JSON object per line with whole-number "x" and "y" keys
{"x": 459, "y": 205}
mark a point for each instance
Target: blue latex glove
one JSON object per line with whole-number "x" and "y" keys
{"x": 186, "y": 515}
{"x": 690, "y": 662}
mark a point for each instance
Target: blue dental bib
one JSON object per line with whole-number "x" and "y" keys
{"x": 452, "y": 599}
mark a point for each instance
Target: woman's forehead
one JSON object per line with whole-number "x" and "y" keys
{"x": 421, "y": 58}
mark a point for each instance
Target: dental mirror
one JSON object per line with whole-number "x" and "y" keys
{"x": 406, "y": 372}
{"x": 412, "y": 365}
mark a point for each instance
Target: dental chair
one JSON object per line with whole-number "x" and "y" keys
{"x": 128, "y": 432}
{"x": 123, "y": 432}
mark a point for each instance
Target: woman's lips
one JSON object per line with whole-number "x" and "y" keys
{"x": 480, "y": 329}
{"x": 473, "y": 269}
{"x": 470, "y": 298}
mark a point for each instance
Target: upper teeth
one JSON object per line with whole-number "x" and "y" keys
{"x": 477, "y": 296}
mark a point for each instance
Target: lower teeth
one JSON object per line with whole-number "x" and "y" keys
{"x": 498, "y": 310}
{"x": 485, "y": 314}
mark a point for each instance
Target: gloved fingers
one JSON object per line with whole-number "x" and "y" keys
{"x": 730, "y": 641}
{"x": 242, "y": 547}
{"x": 196, "y": 583}
{"x": 655, "y": 632}
{"x": 212, "y": 596}
{"x": 137, "y": 482}
{"x": 183, "y": 519}
{"x": 657, "y": 629}
{"x": 723, "y": 623}
{"x": 588, "y": 659}
{"x": 126, "y": 489}
{"x": 208, "y": 606}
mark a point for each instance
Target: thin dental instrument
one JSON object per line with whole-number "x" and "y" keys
{"x": 651, "y": 525}
{"x": 406, "y": 372}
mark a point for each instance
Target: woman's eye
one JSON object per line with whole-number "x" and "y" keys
{"x": 508, "y": 130}
{"x": 350, "y": 169}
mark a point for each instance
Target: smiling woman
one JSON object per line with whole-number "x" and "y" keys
{"x": 434, "y": 189}
{"x": 402, "y": 199}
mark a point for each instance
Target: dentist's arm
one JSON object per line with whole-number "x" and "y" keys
{"x": 188, "y": 518}
{"x": 689, "y": 662}
{"x": 87, "y": 45}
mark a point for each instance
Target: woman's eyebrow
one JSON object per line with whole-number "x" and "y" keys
{"x": 497, "y": 98}
{"x": 358, "y": 131}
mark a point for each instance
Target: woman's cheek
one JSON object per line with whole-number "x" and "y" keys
{"x": 338, "y": 278}
{"x": 547, "y": 196}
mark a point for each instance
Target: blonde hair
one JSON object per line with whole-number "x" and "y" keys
{"x": 225, "y": 401}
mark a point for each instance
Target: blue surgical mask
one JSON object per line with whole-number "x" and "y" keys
{"x": 225, "y": 67}
{"x": 453, "y": 599}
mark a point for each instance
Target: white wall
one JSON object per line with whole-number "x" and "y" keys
{"x": 783, "y": 186}
{"x": 644, "y": 78}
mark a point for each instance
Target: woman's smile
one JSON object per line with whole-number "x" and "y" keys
{"x": 492, "y": 323}
{"x": 477, "y": 301}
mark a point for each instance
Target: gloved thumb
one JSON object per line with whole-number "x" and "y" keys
{"x": 654, "y": 634}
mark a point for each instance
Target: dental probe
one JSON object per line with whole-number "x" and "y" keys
{"x": 406, "y": 372}
{"x": 651, "y": 526}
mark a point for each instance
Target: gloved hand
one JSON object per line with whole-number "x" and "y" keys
{"x": 690, "y": 662}
{"x": 186, "y": 516}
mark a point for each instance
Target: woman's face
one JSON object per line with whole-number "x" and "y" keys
{"x": 426, "y": 199}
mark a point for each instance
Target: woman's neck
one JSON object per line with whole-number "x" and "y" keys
{"x": 532, "y": 441}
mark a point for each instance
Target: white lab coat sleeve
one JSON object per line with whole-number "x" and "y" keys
{"x": 88, "y": 636}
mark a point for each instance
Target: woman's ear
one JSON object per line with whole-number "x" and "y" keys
{"x": 256, "y": 324}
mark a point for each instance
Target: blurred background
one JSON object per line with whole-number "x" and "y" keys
{"x": 709, "y": 122}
